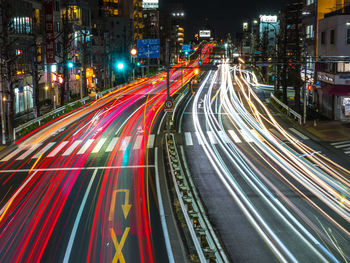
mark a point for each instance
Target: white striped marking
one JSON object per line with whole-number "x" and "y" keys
{"x": 342, "y": 146}
{"x": 337, "y": 143}
{"x": 299, "y": 134}
{"x": 86, "y": 146}
{"x": 44, "y": 150}
{"x": 125, "y": 143}
{"x": 188, "y": 139}
{"x": 28, "y": 152}
{"x": 199, "y": 138}
{"x": 112, "y": 144}
{"x": 14, "y": 153}
{"x": 138, "y": 142}
{"x": 212, "y": 138}
{"x": 58, "y": 149}
{"x": 72, "y": 147}
{"x": 224, "y": 136}
{"x": 278, "y": 135}
{"x": 150, "y": 143}
{"x": 99, "y": 145}
{"x": 257, "y": 135}
{"x": 234, "y": 136}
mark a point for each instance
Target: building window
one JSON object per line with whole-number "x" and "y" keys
{"x": 343, "y": 67}
{"x": 332, "y": 36}
{"x": 310, "y": 2}
{"x": 323, "y": 37}
{"x": 348, "y": 37}
{"x": 310, "y": 33}
{"x": 21, "y": 25}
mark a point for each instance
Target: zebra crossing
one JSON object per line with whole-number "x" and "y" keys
{"x": 240, "y": 136}
{"x": 78, "y": 147}
{"x": 343, "y": 146}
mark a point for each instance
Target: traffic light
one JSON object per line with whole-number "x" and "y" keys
{"x": 138, "y": 64}
{"x": 133, "y": 52}
{"x": 200, "y": 62}
{"x": 120, "y": 65}
{"x": 70, "y": 64}
{"x": 309, "y": 87}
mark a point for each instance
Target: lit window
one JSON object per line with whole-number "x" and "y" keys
{"x": 310, "y": 33}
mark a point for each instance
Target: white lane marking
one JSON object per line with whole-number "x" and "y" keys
{"x": 72, "y": 147}
{"x": 337, "y": 143}
{"x": 342, "y": 146}
{"x": 29, "y": 151}
{"x": 278, "y": 135}
{"x": 150, "y": 143}
{"x": 138, "y": 142}
{"x": 86, "y": 146}
{"x": 77, "y": 219}
{"x": 125, "y": 143}
{"x": 112, "y": 144}
{"x": 44, "y": 150}
{"x": 199, "y": 138}
{"x": 188, "y": 139}
{"x": 234, "y": 136}
{"x": 76, "y": 168}
{"x": 17, "y": 192}
{"x": 14, "y": 153}
{"x": 304, "y": 137}
{"x": 224, "y": 137}
{"x": 212, "y": 138}
{"x": 99, "y": 145}
{"x": 58, "y": 149}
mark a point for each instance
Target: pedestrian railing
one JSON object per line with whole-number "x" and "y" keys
{"x": 289, "y": 110}
{"x": 57, "y": 111}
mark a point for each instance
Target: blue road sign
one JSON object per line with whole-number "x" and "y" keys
{"x": 148, "y": 48}
{"x": 186, "y": 48}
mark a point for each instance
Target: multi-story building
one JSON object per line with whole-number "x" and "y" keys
{"x": 332, "y": 93}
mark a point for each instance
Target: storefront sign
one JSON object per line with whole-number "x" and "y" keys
{"x": 325, "y": 77}
{"x": 49, "y": 32}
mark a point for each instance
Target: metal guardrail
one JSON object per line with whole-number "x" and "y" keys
{"x": 289, "y": 110}
{"x": 203, "y": 236}
{"x": 57, "y": 111}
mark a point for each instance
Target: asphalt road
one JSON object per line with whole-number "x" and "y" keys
{"x": 262, "y": 212}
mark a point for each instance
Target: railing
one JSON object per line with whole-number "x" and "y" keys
{"x": 289, "y": 110}
{"x": 57, "y": 111}
{"x": 207, "y": 244}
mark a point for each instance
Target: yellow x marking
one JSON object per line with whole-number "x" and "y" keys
{"x": 119, "y": 246}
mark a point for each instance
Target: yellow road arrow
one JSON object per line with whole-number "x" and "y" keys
{"x": 126, "y": 206}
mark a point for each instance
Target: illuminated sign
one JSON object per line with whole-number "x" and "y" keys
{"x": 268, "y": 19}
{"x": 150, "y": 4}
{"x": 204, "y": 33}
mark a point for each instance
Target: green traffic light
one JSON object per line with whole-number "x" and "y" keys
{"x": 138, "y": 64}
{"x": 70, "y": 64}
{"x": 120, "y": 65}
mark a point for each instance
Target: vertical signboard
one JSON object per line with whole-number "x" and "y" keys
{"x": 49, "y": 32}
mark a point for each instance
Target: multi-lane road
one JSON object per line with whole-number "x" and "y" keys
{"x": 271, "y": 192}
{"x": 81, "y": 188}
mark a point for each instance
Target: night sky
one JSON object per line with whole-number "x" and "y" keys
{"x": 225, "y": 16}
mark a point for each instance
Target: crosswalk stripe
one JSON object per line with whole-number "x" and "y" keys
{"x": 58, "y": 149}
{"x": 258, "y": 135}
{"x": 348, "y": 152}
{"x": 150, "y": 143}
{"x": 304, "y": 137}
{"x": 278, "y": 135}
{"x": 188, "y": 139}
{"x": 99, "y": 145}
{"x": 199, "y": 139}
{"x": 125, "y": 142}
{"x": 212, "y": 138}
{"x": 14, "y": 153}
{"x": 86, "y": 146}
{"x": 112, "y": 144}
{"x": 72, "y": 147}
{"x": 246, "y": 136}
{"x": 224, "y": 136}
{"x": 29, "y": 151}
{"x": 342, "y": 146}
{"x": 43, "y": 150}
{"x": 337, "y": 143}
{"x": 234, "y": 136}
{"x": 138, "y": 142}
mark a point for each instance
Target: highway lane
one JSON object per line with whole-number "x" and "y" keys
{"x": 82, "y": 188}
{"x": 295, "y": 221}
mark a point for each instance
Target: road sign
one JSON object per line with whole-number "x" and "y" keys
{"x": 148, "y": 48}
{"x": 168, "y": 104}
{"x": 186, "y": 48}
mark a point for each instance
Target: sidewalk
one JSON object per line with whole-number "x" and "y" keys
{"x": 329, "y": 131}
